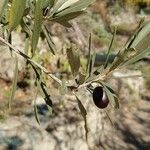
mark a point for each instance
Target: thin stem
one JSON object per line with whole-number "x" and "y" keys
{"x": 30, "y": 60}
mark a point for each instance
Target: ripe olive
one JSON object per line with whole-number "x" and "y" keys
{"x": 99, "y": 97}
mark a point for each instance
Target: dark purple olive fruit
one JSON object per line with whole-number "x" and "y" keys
{"x": 99, "y": 97}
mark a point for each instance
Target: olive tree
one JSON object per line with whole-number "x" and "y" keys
{"x": 31, "y": 16}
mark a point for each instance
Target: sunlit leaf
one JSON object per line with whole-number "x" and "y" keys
{"x": 77, "y": 6}
{"x": 57, "y": 5}
{"x": 16, "y": 13}
{"x": 67, "y": 4}
{"x": 74, "y": 61}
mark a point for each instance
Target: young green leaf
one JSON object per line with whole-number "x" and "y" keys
{"x": 14, "y": 84}
{"x": 74, "y": 60}
{"x": 38, "y": 15}
{"x": 16, "y": 13}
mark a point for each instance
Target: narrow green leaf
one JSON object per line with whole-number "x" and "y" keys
{"x": 38, "y": 15}
{"x": 90, "y": 61}
{"x": 132, "y": 38}
{"x": 83, "y": 113}
{"x": 110, "y": 46}
{"x": 89, "y": 53}
{"x": 49, "y": 39}
{"x": 91, "y": 64}
{"x": 67, "y": 17}
{"x": 43, "y": 88}
{"x": 35, "y": 111}
{"x": 16, "y": 13}
{"x": 14, "y": 84}
{"x": 136, "y": 48}
{"x": 143, "y": 44}
{"x": 3, "y": 6}
{"x": 74, "y": 60}
{"x": 57, "y": 5}
{"x": 77, "y": 6}
{"x": 137, "y": 57}
{"x": 111, "y": 95}
{"x": 67, "y": 4}
{"x": 121, "y": 57}
{"x": 142, "y": 38}
{"x": 65, "y": 24}
{"x": 46, "y": 94}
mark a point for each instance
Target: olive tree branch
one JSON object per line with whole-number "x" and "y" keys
{"x": 32, "y": 62}
{"x": 17, "y": 51}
